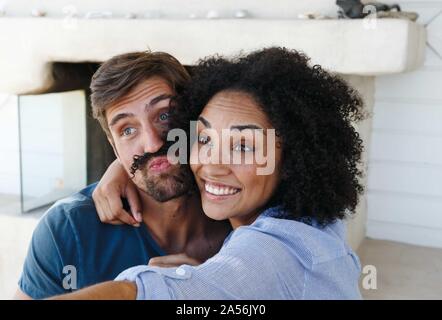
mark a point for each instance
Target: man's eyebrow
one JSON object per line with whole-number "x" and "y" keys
{"x": 205, "y": 122}
{"x": 120, "y": 116}
{"x": 157, "y": 99}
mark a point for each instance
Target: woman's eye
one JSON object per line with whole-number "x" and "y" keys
{"x": 164, "y": 116}
{"x": 128, "y": 131}
{"x": 243, "y": 148}
{"x": 203, "y": 139}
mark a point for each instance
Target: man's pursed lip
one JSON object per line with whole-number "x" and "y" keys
{"x": 159, "y": 164}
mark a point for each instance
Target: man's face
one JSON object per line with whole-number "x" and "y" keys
{"x": 139, "y": 123}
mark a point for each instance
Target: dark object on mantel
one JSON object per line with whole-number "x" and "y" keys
{"x": 354, "y": 9}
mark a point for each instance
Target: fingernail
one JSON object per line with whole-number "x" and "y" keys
{"x": 138, "y": 216}
{"x": 136, "y": 225}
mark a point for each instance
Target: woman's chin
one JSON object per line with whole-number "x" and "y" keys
{"x": 215, "y": 213}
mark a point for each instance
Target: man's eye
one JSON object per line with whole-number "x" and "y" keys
{"x": 128, "y": 131}
{"x": 164, "y": 116}
{"x": 243, "y": 148}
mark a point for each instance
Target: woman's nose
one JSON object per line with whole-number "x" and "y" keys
{"x": 214, "y": 160}
{"x": 215, "y": 152}
{"x": 215, "y": 170}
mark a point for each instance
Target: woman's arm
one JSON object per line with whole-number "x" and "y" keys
{"x": 111, "y": 290}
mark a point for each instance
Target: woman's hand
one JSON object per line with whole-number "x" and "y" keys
{"x": 173, "y": 260}
{"x": 115, "y": 184}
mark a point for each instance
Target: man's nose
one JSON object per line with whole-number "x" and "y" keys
{"x": 153, "y": 139}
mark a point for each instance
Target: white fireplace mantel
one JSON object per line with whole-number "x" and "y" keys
{"x": 356, "y": 47}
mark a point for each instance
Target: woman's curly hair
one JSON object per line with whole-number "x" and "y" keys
{"x": 312, "y": 112}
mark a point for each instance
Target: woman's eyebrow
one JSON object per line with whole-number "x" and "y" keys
{"x": 205, "y": 122}
{"x": 236, "y": 127}
{"x": 246, "y": 126}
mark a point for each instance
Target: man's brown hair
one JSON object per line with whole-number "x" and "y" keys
{"x": 119, "y": 75}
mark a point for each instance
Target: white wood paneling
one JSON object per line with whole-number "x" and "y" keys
{"x": 398, "y": 176}
{"x": 429, "y": 237}
{"x": 409, "y": 209}
{"x": 408, "y": 117}
{"x": 406, "y": 147}
{"x": 422, "y": 85}
{"x": 404, "y": 192}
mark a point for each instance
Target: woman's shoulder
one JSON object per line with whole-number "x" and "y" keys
{"x": 310, "y": 242}
{"x": 311, "y": 261}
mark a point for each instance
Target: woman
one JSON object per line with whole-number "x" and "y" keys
{"x": 288, "y": 238}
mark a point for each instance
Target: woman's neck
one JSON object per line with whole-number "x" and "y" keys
{"x": 245, "y": 220}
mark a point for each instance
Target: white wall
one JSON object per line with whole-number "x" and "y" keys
{"x": 9, "y": 153}
{"x": 172, "y": 8}
{"x": 405, "y": 165}
{"x": 16, "y": 232}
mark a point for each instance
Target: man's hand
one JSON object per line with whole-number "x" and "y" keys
{"x": 173, "y": 260}
{"x": 115, "y": 184}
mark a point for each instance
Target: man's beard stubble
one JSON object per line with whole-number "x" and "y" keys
{"x": 164, "y": 186}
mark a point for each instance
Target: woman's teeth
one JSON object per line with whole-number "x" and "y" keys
{"x": 220, "y": 191}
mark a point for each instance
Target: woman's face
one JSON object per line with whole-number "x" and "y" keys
{"x": 232, "y": 190}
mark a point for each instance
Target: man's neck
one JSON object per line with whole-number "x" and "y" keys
{"x": 176, "y": 223}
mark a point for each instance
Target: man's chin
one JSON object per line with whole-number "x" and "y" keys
{"x": 163, "y": 188}
{"x": 164, "y": 185}
{"x": 164, "y": 195}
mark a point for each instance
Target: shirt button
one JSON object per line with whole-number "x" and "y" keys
{"x": 180, "y": 271}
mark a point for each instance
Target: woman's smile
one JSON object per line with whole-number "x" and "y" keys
{"x": 219, "y": 191}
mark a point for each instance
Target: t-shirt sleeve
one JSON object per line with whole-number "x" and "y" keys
{"x": 52, "y": 248}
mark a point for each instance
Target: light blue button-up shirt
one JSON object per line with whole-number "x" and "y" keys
{"x": 273, "y": 258}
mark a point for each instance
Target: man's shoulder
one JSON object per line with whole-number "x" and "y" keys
{"x": 78, "y": 208}
{"x": 71, "y": 234}
{"x": 77, "y": 201}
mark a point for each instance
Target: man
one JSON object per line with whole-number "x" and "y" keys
{"x": 71, "y": 248}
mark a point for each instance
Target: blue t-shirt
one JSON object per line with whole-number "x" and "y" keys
{"x": 70, "y": 235}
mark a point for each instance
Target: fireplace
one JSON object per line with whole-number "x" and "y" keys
{"x": 55, "y": 54}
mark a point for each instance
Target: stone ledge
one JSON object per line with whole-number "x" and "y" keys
{"x": 30, "y": 45}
